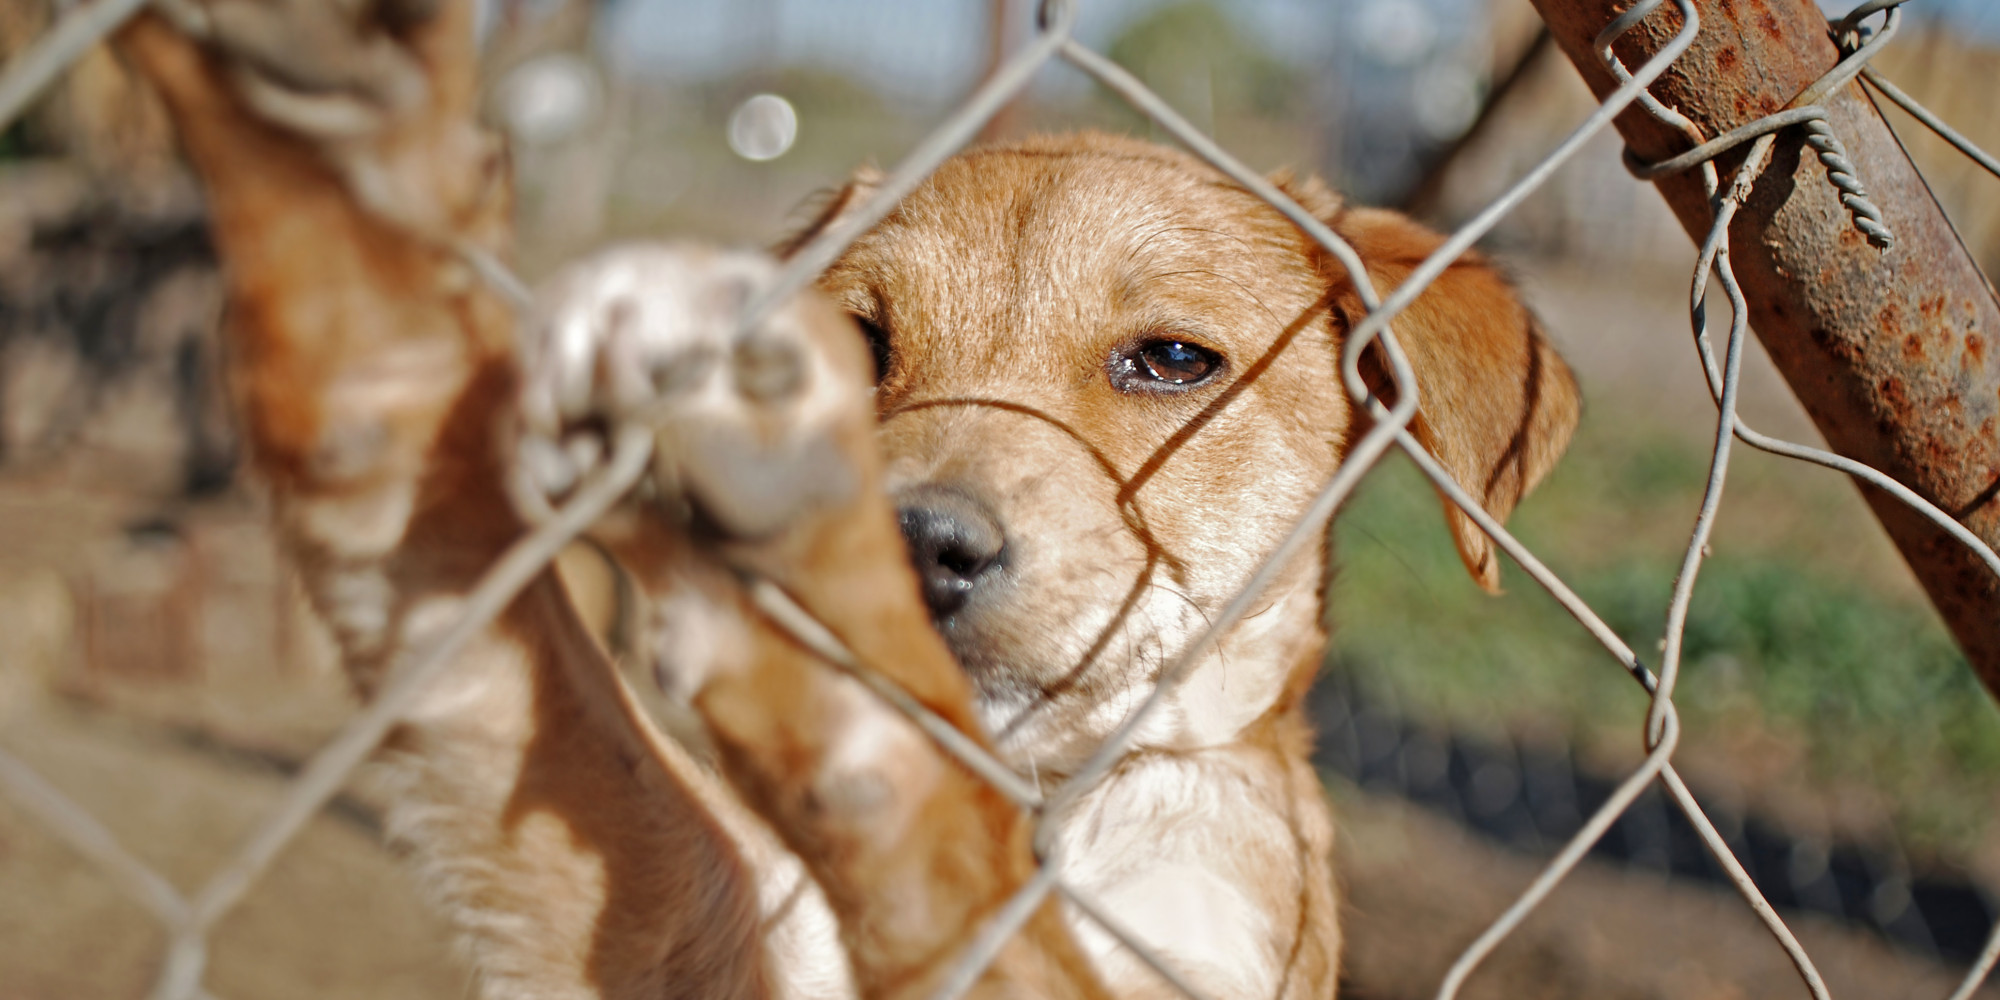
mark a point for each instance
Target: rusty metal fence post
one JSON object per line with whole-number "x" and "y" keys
{"x": 1892, "y": 352}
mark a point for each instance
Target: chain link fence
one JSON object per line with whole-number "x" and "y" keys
{"x": 189, "y": 917}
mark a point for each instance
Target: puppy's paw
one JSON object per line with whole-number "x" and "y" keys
{"x": 747, "y": 420}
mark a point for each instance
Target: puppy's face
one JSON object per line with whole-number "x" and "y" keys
{"x": 1109, "y": 384}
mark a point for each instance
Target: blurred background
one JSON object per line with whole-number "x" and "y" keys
{"x": 157, "y": 664}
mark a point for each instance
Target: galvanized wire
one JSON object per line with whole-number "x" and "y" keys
{"x": 80, "y": 29}
{"x": 330, "y": 768}
{"x": 82, "y": 832}
{"x": 1058, "y": 17}
{"x": 1932, "y": 121}
{"x": 189, "y": 919}
{"x": 1981, "y": 968}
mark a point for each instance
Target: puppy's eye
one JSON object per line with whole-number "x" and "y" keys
{"x": 878, "y": 345}
{"x": 1163, "y": 364}
{"x": 1177, "y": 362}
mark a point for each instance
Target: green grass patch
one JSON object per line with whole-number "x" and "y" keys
{"x": 1784, "y": 636}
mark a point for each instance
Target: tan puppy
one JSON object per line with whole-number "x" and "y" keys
{"x": 1108, "y": 383}
{"x": 1108, "y": 387}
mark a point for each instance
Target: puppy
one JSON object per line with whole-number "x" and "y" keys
{"x": 1104, "y": 381}
{"x": 1108, "y": 384}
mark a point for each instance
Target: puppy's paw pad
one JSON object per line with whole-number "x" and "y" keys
{"x": 654, "y": 335}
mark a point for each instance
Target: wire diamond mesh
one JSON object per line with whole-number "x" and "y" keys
{"x": 190, "y": 918}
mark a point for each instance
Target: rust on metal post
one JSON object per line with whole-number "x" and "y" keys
{"x": 1896, "y": 354}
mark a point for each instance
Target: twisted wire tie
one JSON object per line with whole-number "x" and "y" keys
{"x": 1840, "y": 173}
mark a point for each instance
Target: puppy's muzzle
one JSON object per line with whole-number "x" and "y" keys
{"x": 956, "y": 545}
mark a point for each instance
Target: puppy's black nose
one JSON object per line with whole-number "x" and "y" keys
{"x": 954, "y": 543}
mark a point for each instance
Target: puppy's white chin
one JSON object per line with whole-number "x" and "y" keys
{"x": 1056, "y": 738}
{"x": 1231, "y": 687}
{"x": 1036, "y": 737}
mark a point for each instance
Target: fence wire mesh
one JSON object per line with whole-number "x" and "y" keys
{"x": 188, "y": 919}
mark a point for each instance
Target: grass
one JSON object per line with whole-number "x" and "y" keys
{"x": 1804, "y": 630}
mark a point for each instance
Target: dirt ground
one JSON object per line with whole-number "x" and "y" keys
{"x": 1418, "y": 889}
{"x": 335, "y": 918}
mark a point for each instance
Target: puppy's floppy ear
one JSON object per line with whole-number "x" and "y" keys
{"x": 1496, "y": 405}
{"x": 834, "y": 206}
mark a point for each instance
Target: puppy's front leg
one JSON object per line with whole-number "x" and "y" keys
{"x": 374, "y": 374}
{"x": 766, "y": 475}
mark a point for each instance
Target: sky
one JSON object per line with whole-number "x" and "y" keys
{"x": 909, "y": 47}
{"x": 1962, "y": 11}
{"x": 935, "y": 48}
